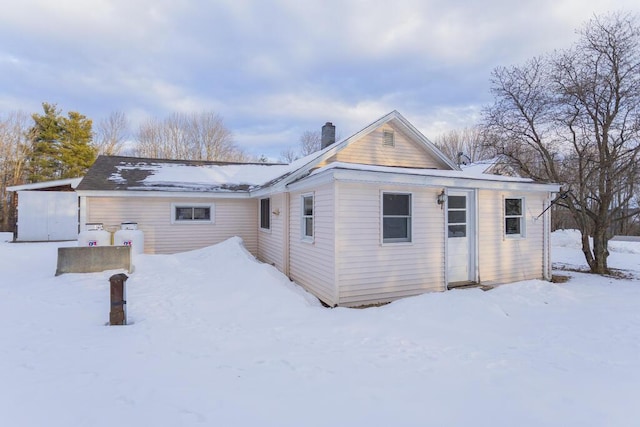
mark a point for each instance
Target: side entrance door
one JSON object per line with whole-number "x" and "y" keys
{"x": 461, "y": 241}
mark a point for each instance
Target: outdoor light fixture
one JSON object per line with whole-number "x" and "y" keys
{"x": 442, "y": 198}
{"x": 276, "y": 211}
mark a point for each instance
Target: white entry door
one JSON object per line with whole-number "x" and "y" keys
{"x": 460, "y": 236}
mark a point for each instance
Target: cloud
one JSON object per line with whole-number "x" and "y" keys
{"x": 276, "y": 69}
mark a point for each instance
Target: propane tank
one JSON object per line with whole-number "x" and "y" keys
{"x": 94, "y": 234}
{"x": 129, "y": 235}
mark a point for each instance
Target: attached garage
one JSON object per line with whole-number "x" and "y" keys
{"x": 47, "y": 211}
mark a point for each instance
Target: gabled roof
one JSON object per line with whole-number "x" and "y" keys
{"x": 313, "y": 160}
{"x": 119, "y": 173}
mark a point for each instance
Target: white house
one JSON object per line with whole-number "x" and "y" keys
{"x": 378, "y": 216}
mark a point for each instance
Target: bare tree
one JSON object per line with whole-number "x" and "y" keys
{"x": 288, "y": 155}
{"x": 309, "y": 142}
{"x": 188, "y": 136}
{"x": 14, "y": 151}
{"x": 465, "y": 146}
{"x": 111, "y": 133}
{"x": 574, "y": 118}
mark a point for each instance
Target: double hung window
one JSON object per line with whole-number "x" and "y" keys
{"x": 307, "y": 217}
{"x": 396, "y": 217}
{"x": 513, "y": 218}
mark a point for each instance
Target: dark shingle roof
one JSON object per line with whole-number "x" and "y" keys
{"x": 122, "y": 173}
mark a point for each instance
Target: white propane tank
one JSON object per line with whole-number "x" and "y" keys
{"x": 129, "y": 235}
{"x": 94, "y": 235}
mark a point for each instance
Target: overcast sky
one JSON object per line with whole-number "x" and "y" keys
{"x": 273, "y": 69}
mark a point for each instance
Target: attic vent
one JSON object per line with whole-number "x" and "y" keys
{"x": 387, "y": 139}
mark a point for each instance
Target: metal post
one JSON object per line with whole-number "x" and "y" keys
{"x": 118, "y": 313}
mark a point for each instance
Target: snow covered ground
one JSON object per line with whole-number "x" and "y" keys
{"x": 219, "y": 339}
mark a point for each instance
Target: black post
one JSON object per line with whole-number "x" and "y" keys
{"x": 118, "y": 314}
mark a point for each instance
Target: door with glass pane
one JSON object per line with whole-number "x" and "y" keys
{"x": 460, "y": 236}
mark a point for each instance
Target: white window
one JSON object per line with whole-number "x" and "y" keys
{"x": 265, "y": 214}
{"x": 192, "y": 213}
{"x": 387, "y": 138}
{"x": 307, "y": 217}
{"x": 457, "y": 216}
{"x": 513, "y": 217}
{"x": 396, "y": 217}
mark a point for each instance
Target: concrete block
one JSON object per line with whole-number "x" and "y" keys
{"x": 93, "y": 259}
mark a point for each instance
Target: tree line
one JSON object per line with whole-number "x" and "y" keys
{"x": 51, "y": 145}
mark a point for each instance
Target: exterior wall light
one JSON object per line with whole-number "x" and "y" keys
{"x": 442, "y": 198}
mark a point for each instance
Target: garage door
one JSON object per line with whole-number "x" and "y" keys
{"x": 47, "y": 215}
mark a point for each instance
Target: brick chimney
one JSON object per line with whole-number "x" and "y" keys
{"x": 328, "y": 135}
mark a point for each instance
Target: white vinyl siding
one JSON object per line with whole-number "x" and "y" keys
{"x": 312, "y": 265}
{"x": 505, "y": 260}
{"x": 270, "y": 245}
{"x": 371, "y": 272}
{"x": 232, "y": 218}
{"x": 370, "y": 149}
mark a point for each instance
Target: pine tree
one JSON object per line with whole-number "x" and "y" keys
{"x": 76, "y": 152}
{"x": 60, "y": 146}
{"x": 43, "y": 159}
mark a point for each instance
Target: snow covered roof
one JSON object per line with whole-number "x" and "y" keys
{"x": 140, "y": 174}
{"x": 495, "y": 166}
{"x": 118, "y": 173}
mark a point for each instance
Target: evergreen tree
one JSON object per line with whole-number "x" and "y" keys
{"x": 76, "y": 152}
{"x": 43, "y": 158}
{"x": 60, "y": 146}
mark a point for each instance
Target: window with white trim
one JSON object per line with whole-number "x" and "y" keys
{"x": 192, "y": 213}
{"x": 513, "y": 217}
{"x": 396, "y": 217}
{"x": 457, "y": 216}
{"x": 307, "y": 217}
{"x": 265, "y": 214}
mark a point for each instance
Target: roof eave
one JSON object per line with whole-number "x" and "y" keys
{"x": 73, "y": 182}
{"x": 165, "y": 194}
{"x": 353, "y": 175}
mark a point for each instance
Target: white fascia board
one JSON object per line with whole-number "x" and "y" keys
{"x": 73, "y": 182}
{"x": 163, "y": 194}
{"x": 312, "y": 181}
{"x": 436, "y": 181}
{"x": 430, "y": 146}
{"x": 332, "y": 150}
{"x": 267, "y": 191}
